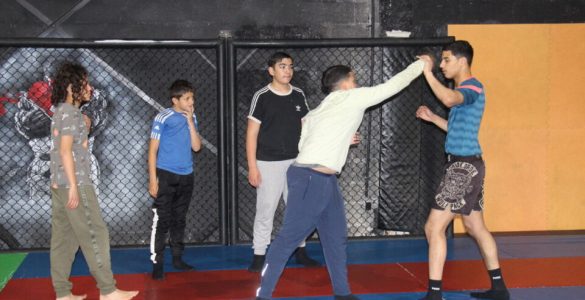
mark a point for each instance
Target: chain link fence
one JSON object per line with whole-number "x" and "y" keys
{"x": 387, "y": 182}
{"x": 380, "y": 198}
{"x": 411, "y": 152}
{"x": 131, "y": 87}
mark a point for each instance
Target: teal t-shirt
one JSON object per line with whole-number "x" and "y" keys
{"x": 464, "y": 120}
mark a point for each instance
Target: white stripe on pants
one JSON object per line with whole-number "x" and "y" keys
{"x": 272, "y": 186}
{"x": 153, "y": 236}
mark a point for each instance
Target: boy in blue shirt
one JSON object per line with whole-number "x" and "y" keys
{"x": 461, "y": 189}
{"x": 170, "y": 166}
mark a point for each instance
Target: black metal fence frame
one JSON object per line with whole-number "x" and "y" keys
{"x": 231, "y": 47}
{"x": 217, "y": 44}
{"x": 226, "y": 48}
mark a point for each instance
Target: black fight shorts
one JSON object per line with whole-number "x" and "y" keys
{"x": 461, "y": 189}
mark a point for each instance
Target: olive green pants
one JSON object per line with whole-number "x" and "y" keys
{"x": 74, "y": 228}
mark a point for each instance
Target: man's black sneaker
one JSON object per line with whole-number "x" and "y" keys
{"x": 303, "y": 258}
{"x": 179, "y": 264}
{"x": 257, "y": 263}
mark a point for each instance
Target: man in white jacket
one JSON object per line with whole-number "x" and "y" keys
{"x": 315, "y": 200}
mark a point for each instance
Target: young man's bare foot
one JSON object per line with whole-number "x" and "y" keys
{"x": 119, "y": 295}
{"x": 73, "y": 297}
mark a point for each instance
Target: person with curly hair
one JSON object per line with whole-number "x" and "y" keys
{"x": 76, "y": 219}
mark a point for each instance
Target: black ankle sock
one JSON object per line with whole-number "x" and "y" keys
{"x": 497, "y": 279}
{"x": 435, "y": 291}
{"x": 498, "y": 290}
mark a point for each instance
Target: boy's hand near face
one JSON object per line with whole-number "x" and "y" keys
{"x": 189, "y": 114}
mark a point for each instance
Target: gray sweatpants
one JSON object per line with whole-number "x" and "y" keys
{"x": 272, "y": 186}
{"x": 80, "y": 227}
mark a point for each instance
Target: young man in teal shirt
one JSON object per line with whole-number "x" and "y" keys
{"x": 461, "y": 190}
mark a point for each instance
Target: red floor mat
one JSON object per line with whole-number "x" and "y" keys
{"x": 518, "y": 273}
{"x": 297, "y": 282}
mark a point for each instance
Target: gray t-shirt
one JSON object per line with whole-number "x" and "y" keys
{"x": 68, "y": 120}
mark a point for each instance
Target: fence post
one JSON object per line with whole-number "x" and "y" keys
{"x": 231, "y": 136}
{"x": 221, "y": 118}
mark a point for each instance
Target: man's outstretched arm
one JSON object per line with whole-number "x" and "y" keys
{"x": 446, "y": 95}
{"x": 369, "y": 96}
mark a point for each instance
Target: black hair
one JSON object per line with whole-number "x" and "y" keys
{"x": 460, "y": 49}
{"x": 68, "y": 73}
{"x": 278, "y": 57}
{"x": 332, "y": 76}
{"x": 180, "y": 87}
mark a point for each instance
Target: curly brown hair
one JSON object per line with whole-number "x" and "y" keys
{"x": 68, "y": 74}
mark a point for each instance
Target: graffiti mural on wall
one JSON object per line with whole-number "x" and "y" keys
{"x": 33, "y": 122}
{"x": 27, "y": 117}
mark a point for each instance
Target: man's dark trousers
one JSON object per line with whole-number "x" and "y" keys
{"x": 314, "y": 201}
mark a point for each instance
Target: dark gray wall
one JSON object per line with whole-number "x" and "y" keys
{"x": 202, "y": 19}
{"x": 185, "y": 19}
{"x": 426, "y": 18}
